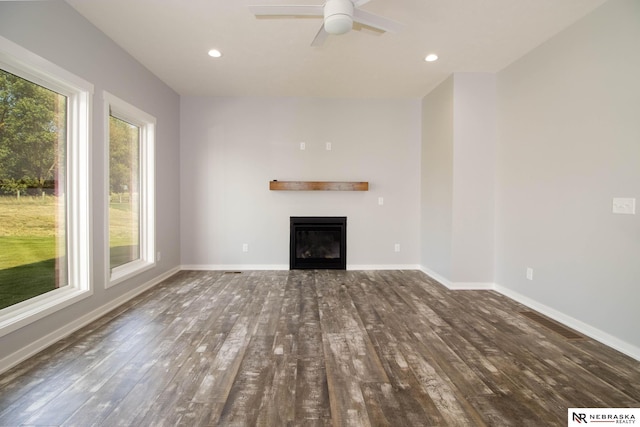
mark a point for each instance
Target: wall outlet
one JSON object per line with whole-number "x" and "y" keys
{"x": 158, "y": 256}
{"x": 328, "y": 146}
{"x": 303, "y": 146}
{"x": 529, "y": 273}
{"x": 624, "y": 205}
{"x": 245, "y": 247}
{"x": 396, "y": 247}
{"x": 381, "y": 201}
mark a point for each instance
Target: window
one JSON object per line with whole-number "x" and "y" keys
{"x": 45, "y": 235}
{"x": 131, "y": 190}
{"x": 124, "y": 186}
{"x": 32, "y": 189}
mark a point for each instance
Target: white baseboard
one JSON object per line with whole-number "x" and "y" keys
{"x": 37, "y": 346}
{"x": 435, "y": 276}
{"x": 459, "y": 286}
{"x": 472, "y": 286}
{"x": 584, "y": 328}
{"x": 374, "y": 267}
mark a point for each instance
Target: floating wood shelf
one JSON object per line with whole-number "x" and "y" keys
{"x": 318, "y": 186}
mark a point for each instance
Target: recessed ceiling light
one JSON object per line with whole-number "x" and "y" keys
{"x": 215, "y": 53}
{"x": 431, "y": 57}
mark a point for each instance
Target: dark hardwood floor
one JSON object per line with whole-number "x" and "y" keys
{"x": 315, "y": 348}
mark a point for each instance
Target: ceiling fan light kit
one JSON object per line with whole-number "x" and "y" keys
{"x": 338, "y": 16}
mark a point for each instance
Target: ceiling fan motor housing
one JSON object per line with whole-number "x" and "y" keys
{"x": 338, "y": 16}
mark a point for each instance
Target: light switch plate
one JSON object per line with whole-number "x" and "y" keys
{"x": 624, "y": 205}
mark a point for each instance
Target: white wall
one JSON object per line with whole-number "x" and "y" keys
{"x": 569, "y": 141}
{"x": 232, "y": 147}
{"x": 474, "y": 134}
{"x": 437, "y": 180}
{"x": 458, "y": 137}
{"x": 54, "y": 31}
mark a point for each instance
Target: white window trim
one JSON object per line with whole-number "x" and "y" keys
{"x": 18, "y": 60}
{"x": 147, "y": 124}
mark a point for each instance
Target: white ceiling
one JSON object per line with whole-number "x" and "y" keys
{"x": 273, "y": 57}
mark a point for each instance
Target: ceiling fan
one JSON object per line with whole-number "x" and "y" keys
{"x": 339, "y": 17}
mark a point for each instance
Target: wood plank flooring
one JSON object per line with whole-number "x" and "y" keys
{"x": 315, "y": 348}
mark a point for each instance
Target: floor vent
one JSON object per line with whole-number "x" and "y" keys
{"x": 554, "y": 326}
{"x": 232, "y": 272}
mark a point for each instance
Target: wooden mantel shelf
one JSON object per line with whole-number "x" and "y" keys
{"x": 318, "y": 186}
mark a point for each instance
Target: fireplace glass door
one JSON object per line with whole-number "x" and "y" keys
{"x": 318, "y": 243}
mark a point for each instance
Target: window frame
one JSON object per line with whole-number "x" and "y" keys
{"x": 78, "y": 234}
{"x": 114, "y": 106}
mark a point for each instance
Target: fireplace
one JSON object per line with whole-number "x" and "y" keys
{"x": 318, "y": 242}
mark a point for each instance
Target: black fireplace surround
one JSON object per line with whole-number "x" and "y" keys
{"x": 318, "y": 242}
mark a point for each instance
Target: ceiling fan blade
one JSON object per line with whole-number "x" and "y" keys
{"x": 358, "y": 3}
{"x": 287, "y": 10}
{"x": 320, "y": 37}
{"x": 359, "y": 27}
{"x": 375, "y": 21}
